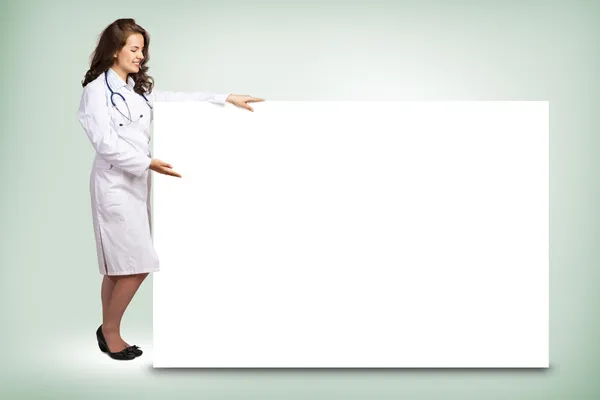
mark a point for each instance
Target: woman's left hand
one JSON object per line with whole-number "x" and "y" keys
{"x": 242, "y": 100}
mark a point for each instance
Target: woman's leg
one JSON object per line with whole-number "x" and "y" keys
{"x": 108, "y": 284}
{"x": 123, "y": 291}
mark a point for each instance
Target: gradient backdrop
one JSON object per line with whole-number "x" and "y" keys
{"x": 278, "y": 50}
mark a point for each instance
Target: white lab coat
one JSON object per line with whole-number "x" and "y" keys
{"x": 120, "y": 180}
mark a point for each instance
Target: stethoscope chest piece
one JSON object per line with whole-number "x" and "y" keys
{"x": 141, "y": 116}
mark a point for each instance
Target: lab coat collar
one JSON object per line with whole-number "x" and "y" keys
{"x": 116, "y": 82}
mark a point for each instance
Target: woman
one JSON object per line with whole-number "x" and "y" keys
{"x": 116, "y": 113}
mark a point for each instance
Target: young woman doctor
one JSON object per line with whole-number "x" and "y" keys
{"x": 116, "y": 112}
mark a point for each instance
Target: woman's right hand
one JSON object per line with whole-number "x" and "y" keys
{"x": 163, "y": 168}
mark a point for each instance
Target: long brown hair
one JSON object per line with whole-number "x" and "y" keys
{"x": 112, "y": 40}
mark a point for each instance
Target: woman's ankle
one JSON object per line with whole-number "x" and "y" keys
{"x": 108, "y": 329}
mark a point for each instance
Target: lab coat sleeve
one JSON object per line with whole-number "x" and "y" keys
{"x": 167, "y": 96}
{"x": 94, "y": 116}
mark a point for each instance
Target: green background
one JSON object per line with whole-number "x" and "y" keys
{"x": 278, "y": 50}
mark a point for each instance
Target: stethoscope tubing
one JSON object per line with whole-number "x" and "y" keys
{"x": 112, "y": 93}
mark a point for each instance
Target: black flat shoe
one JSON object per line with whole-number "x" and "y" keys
{"x": 135, "y": 350}
{"x": 125, "y": 354}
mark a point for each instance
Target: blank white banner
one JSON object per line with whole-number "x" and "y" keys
{"x": 352, "y": 234}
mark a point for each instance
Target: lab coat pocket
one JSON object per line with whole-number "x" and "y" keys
{"x": 111, "y": 199}
{"x": 113, "y": 208}
{"x": 115, "y": 212}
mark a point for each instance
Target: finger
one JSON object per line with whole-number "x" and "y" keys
{"x": 167, "y": 165}
{"x": 171, "y": 173}
{"x": 255, "y": 100}
{"x": 244, "y": 105}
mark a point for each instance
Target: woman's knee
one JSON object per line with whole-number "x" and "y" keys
{"x": 139, "y": 277}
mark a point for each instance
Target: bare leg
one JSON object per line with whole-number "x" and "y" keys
{"x": 123, "y": 291}
{"x": 108, "y": 284}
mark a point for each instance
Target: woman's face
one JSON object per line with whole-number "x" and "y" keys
{"x": 128, "y": 59}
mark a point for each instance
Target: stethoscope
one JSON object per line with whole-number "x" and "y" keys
{"x": 124, "y": 101}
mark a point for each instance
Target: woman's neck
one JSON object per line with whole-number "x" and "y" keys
{"x": 121, "y": 73}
